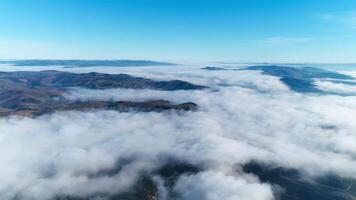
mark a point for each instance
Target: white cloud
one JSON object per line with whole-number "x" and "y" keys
{"x": 338, "y": 88}
{"x": 244, "y": 116}
{"x": 212, "y": 185}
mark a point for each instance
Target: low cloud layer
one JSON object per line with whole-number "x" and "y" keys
{"x": 244, "y": 116}
{"x": 211, "y": 185}
{"x": 337, "y": 88}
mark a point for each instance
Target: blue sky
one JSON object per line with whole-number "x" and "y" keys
{"x": 180, "y": 30}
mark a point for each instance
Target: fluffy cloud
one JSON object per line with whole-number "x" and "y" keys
{"x": 244, "y": 116}
{"x": 337, "y": 88}
{"x": 212, "y": 185}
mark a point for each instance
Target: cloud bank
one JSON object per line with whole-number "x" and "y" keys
{"x": 243, "y": 117}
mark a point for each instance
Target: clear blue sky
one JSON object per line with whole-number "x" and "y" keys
{"x": 190, "y": 30}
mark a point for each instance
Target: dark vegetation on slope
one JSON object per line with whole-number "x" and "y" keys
{"x": 146, "y": 188}
{"x": 36, "y": 93}
{"x": 93, "y": 80}
{"x": 296, "y": 186}
{"x": 288, "y": 184}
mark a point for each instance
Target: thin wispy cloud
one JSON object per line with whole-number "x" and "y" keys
{"x": 344, "y": 18}
{"x": 278, "y": 40}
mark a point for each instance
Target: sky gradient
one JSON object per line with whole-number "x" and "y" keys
{"x": 180, "y": 30}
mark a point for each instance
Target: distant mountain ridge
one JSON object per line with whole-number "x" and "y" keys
{"x": 298, "y": 79}
{"x": 35, "y": 93}
{"x": 92, "y": 80}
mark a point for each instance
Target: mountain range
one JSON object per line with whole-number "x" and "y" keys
{"x": 37, "y": 93}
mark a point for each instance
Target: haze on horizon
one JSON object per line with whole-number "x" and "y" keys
{"x": 231, "y": 31}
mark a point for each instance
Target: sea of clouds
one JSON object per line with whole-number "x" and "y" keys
{"x": 243, "y": 116}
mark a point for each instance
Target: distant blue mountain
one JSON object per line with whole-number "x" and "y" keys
{"x": 213, "y": 68}
{"x": 86, "y": 63}
{"x": 299, "y": 73}
{"x": 299, "y": 79}
{"x": 343, "y": 82}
